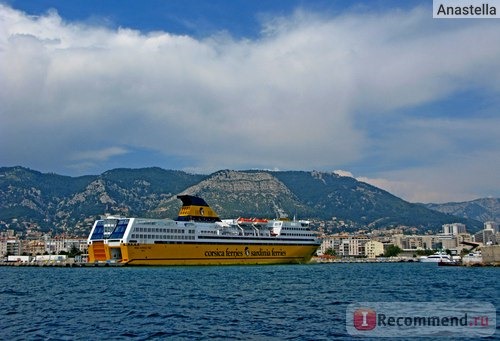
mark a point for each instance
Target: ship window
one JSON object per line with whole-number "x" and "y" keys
{"x": 98, "y": 231}
{"x": 119, "y": 230}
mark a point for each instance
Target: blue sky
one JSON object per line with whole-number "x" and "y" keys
{"x": 377, "y": 90}
{"x": 241, "y": 18}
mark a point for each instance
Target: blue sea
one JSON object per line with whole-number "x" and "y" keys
{"x": 282, "y": 302}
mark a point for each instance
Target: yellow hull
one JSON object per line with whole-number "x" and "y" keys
{"x": 201, "y": 254}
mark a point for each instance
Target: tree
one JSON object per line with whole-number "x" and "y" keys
{"x": 464, "y": 252}
{"x": 330, "y": 252}
{"x": 74, "y": 251}
{"x": 392, "y": 251}
{"x": 426, "y": 252}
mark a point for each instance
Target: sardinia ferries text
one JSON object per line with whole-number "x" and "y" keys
{"x": 245, "y": 253}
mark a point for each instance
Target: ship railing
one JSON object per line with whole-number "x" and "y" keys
{"x": 257, "y": 231}
{"x": 242, "y": 230}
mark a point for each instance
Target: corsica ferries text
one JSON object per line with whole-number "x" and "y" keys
{"x": 245, "y": 253}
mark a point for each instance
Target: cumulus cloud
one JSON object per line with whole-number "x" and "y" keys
{"x": 313, "y": 92}
{"x": 99, "y": 155}
{"x": 344, "y": 173}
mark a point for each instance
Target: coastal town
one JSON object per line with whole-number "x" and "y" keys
{"x": 391, "y": 244}
{"x": 453, "y": 239}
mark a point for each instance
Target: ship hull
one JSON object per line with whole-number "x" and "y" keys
{"x": 202, "y": 254}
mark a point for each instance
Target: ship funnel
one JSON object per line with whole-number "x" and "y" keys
{"x": 195, "y": 209}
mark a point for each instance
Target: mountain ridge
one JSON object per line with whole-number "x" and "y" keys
{"x": 70, "y": 204}
{"x": 482, "y": 209}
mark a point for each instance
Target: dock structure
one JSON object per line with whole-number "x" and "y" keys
{"x": 363, "y": 260}
{"x": 491, "y": 255}
{"x": 60, "y": 264}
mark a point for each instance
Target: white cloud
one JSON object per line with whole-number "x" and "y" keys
{"x": 341, "y": 172}
{"x": 82, "y": 161}
{"x": 99, "y": 155}
{"x": 297, "y": 98}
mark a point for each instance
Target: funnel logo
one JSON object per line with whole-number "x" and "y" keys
{"x": 364, "y": 319}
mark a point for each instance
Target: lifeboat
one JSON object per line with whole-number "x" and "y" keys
{"x": 251, "y": 221}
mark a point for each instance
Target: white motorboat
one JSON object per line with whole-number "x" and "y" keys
{"x": 438, "y": 257}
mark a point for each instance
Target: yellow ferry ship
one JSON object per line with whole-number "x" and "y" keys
{"x": 199, "y": 237}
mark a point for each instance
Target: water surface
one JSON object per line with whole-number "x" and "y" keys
{"x": 298, "y": 302}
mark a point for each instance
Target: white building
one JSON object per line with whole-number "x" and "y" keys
{"x": 373, "y": 249}
{"x": 491, "y": 225}
{"x": 454, "y": 229}
{"x": 414, "y": 242}
{"x": 10, "y": 246}
{"x": 344, "y": 245}
{"x": 56, "y": 245}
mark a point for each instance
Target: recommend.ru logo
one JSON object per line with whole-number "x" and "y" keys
{"x": 396, "y": 319}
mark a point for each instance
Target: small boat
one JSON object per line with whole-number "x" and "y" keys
{"x": 436, "y": 258}
{"x": 251, "y": 221}
{"x": 473, "y": 258}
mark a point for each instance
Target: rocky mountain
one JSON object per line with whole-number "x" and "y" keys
{"x": 30, "y": 199}
{"x": 486, "y": 209}
{"x": 62, "y": 203}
